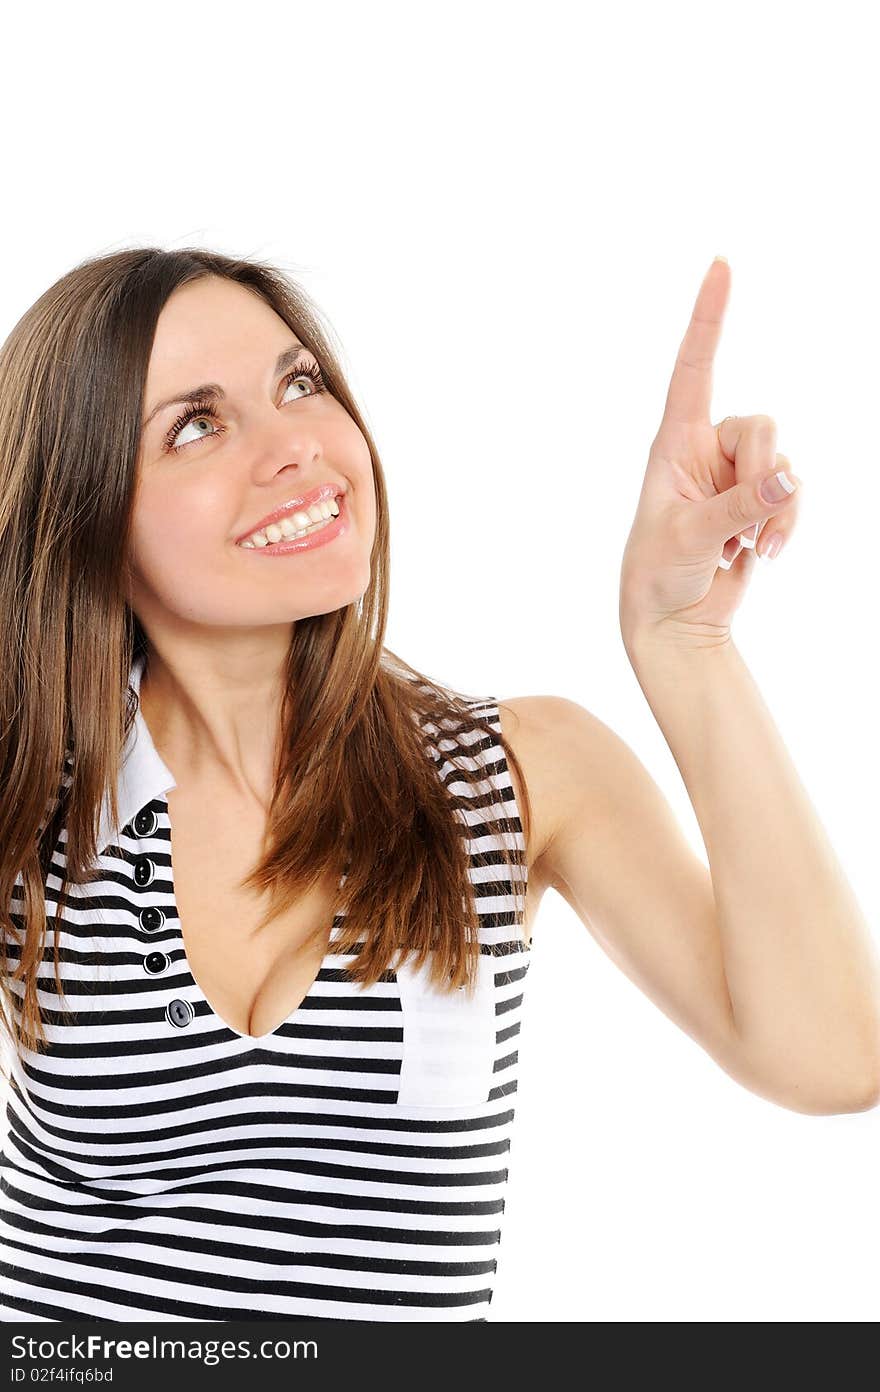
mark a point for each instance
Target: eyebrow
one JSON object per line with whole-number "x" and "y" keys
{"x": 212, "y": 391}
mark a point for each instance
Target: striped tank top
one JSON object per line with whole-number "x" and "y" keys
{"x": 349, "y": 1165}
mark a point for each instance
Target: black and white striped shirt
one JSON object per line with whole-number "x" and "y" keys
{"x": 349, "y": 1165}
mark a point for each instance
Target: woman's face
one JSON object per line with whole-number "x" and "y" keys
{"x": 269, "y": 439}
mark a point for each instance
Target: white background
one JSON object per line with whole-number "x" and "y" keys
{"x": 506, "y": 211}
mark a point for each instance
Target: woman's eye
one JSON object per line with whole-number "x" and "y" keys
{"x": 300, "y": 380}
{"x": 191, "y": 425}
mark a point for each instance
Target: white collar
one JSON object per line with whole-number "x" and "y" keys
{"x": 142, "y": 777}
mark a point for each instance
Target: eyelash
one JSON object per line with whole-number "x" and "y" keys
{"x": 195, "y": 410}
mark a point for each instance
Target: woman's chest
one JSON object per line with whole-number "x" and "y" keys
{"x": 253, "y": 976}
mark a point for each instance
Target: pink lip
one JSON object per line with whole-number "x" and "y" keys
{"x": 325, "y": 492}
{"x": 332, "y": 529}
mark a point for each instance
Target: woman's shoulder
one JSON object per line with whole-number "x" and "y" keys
{"x": 535, "y": 729}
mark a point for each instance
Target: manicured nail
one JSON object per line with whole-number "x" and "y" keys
{"x": 777, "y": 487}
{"x": 726, "y": 562}
{"x": 773, "y": 547}
{"x": 750, "y": 537}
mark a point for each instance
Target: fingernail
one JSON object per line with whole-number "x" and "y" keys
{"x": 773, "y": 547}
{"x": 726, "y": 562}
{"x": 777, "y": 487}
{"x": 750, "y": 537}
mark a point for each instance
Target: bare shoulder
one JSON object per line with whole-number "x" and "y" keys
{"x": 552, "y": 737}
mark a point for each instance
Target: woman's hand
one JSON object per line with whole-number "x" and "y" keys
{"x": 690, "y": 552}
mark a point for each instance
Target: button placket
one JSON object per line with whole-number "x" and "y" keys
{"x": 178, "y": 1012}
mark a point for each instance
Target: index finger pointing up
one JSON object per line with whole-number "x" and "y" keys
{"x": 690, "y": 389}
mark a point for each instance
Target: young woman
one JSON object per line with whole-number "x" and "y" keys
{"x": 267, "y": 892}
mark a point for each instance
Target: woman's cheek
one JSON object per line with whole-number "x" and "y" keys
{"x": 166, "y": 544}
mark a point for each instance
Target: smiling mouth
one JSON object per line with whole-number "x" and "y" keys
{"x": 298, "y": 508}
{"x": 298, "y": 524}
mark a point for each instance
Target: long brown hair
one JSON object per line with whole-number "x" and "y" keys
{"x": 358, "y": 787}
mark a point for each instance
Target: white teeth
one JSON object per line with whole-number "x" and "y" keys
{"x": 295, "y": 525}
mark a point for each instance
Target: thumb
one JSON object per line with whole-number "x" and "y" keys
{"x": 737, "y": 508}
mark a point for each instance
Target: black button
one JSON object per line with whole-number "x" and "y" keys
{"x": 146, "y": 822}
{"x": 156, "y": 962}
{"x": 151, "y": 919}
{"x": 179, "y": 1013}
{"x": 144, "y": 870}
